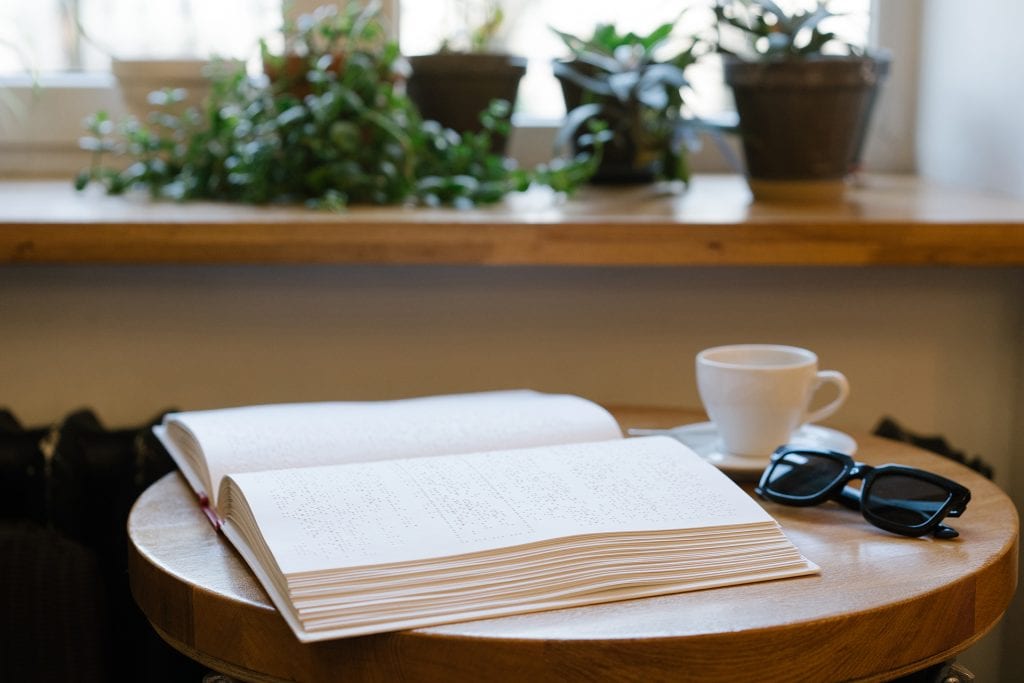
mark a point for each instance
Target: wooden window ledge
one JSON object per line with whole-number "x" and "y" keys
{"x": 884, "y": 220}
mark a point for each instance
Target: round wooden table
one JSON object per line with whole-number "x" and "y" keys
{"x": 882, "y": 606}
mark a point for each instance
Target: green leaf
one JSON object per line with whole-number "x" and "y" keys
{"x": 657, "y": 36}
{"x": 82, "y": 179}
{"x": 291, "y": 115}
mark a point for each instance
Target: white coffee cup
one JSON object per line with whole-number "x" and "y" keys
{"x": 758, "y": 395}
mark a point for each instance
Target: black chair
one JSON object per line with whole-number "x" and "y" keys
{"x": 67, "y": 612}
{"x": 890, "y": 429}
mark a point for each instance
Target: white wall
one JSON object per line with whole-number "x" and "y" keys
{"x": 929, "y": 346}
{"x": 971, "y": 99}
{"x": 939, "y": 349}
{"x": 970, "y": 112}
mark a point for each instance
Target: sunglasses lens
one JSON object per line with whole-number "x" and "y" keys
{"x": 801, "y": 474}
{"x": 904, "y": 500}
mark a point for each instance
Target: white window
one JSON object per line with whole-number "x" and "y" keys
{"x": 49, "y": 36}
{"x": 65, "y": 47}
{"x": 55, "y": 60}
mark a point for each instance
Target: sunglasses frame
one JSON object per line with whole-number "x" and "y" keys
{"x": 956, "y": 500}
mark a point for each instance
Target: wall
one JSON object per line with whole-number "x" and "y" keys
{"x": 970, "y": 102}
{"x": 970, "y": 108}
{"x": 938, "y": 349}
{"x": 918, "y": 344}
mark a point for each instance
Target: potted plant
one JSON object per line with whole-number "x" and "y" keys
{"x": 457, "y": 83}
{"x": 803, "y": 97}
{"x": 330, "y": 128}
{"x": 153, "y": 73}
{"x": 318, "y": 45}
{"x": 635, "y": 84}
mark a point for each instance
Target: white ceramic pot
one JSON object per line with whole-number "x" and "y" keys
{"x": 137, "y": 78}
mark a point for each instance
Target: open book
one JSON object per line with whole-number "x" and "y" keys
{"x": 368, "y": 517}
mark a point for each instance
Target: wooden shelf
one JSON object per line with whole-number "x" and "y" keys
{"x": 886, "y": 220}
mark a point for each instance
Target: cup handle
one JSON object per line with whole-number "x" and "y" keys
{"x": 829, "y": 377}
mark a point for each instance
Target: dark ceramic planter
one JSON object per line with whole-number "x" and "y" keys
{"x": 619, "y": 159}
{"x": 804, "y": 122}
{"x": 454, "y": 88}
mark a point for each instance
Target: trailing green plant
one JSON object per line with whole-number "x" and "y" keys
{"x": 766, "y": 31}
{"x": 329, "y": 125}
{"x": 635, "y": 83}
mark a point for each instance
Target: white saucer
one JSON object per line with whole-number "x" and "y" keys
{"x": 703, "y": 438}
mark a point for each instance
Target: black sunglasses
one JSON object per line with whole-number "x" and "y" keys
{"x": 904, "y": 500}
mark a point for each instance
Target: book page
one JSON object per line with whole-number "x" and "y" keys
{"x": 256, "y": 438}
{"x": 409, "y": 510}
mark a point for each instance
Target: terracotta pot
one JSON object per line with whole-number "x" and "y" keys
{"x": 804, "y": 122}
{"x": 288, "y": 71}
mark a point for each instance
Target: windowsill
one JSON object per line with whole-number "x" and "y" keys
{"x": 885, "y": 220}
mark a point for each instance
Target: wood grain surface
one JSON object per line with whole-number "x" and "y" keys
{"x": 884, "y": 220}
{"x": 883, "y": 605}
